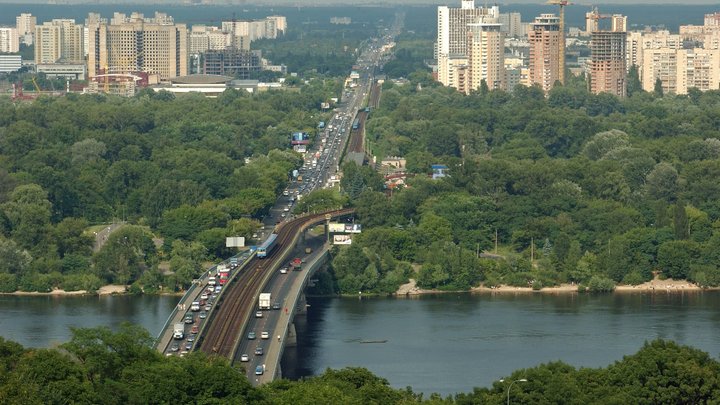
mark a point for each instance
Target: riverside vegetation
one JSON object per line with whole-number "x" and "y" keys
{"x": 101, "y": 366}
{"x": 601, "y": 190}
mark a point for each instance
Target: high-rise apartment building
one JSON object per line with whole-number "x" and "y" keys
{"x": 25, "y": 24}
{"x": 140, "y": 45}
{"x": 486, "y": 54}
{"x": 607, "y": 65}
{"x": 452, "y": 37}
{"x": 9, "y": 41}
{"x": 545, "y": 46}
{"x": 207, "y": 38}
{"x": 512, "y": 25}
{"x": 712, "y": 20}
{"x": 659, "y": 63}
{"x": 59, "y": 40}
{"x": 618, "y": 23}
{"x": 280, "y": 22}
{"x": 698, "y": 68}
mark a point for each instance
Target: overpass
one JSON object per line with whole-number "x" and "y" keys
{"x": 231, "y": 313}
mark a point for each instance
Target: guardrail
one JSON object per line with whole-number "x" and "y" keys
{"x": 282, "y": 258}
{"x": 233, "y": 274}
{"x": 190, "y": 291}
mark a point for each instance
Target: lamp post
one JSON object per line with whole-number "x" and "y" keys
{"x": 510, "y": 386}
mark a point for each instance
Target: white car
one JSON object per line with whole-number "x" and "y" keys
{"x": 264, "y": 335}
{"x": 244, "y": 358}
{"x": 283, "y": 270}
{"x": 258, "y": 314}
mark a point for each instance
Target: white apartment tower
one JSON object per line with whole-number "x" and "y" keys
{"x": 452, "y": 37}
{"x": 60, "y": 40}
{"x": 9, "y": 41}
{"x": 25, "y": 24}
{"x": 486, "y": 54}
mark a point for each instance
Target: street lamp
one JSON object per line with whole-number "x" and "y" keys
{"x": 510, "y": 386}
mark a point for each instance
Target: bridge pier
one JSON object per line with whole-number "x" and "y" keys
{"x": 291, "y": 338}
{"x": 301, "y": 306}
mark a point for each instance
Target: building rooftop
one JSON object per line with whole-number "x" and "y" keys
{"x": 201, "y": 79}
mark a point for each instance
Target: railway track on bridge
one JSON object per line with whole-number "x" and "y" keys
{"x": 227, "y": 322}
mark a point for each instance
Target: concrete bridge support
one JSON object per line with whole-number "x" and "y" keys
{"x": 291, "y": 338}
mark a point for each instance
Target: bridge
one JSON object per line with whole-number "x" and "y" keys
{"x": 230, "y": 316}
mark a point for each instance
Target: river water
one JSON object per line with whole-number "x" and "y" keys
{"x": 451, "y": 343}
{"x": 437, "y": 343}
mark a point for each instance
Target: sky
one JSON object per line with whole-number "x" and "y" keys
{"x": 356, "y": 2}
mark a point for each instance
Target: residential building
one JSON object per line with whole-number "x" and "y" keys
{"x": 486, "y": 54}
{"x": 280, "y": 23}
{"x": 698, "y": 68}
{"x": 154, "y": 46}
{"x": 256, "y": 29}
{"x": 59, "y": 40}
{"x": 618, "y": 23}
{"x": 9, "y": 41}
{"x": 25, "y": 24}
{"x": 512, "y": 25}
{"x": 452, "y": 37}
{"x": 608, "y": 67}
{"x": 659, "y": 63}
{"x": 545, "y": 46}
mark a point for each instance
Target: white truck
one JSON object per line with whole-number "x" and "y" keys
{"x": 264, "y": 301}
{"x": 179, "y": 331}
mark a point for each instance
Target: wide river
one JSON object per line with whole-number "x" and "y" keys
{"x": 443, "y": 343}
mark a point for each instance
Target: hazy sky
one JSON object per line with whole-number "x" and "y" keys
{"x": 356, "y": 2}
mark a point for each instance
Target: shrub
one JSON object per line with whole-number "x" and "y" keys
{"x": 601, "y": 284}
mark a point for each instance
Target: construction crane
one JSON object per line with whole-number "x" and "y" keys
{"x": 595, "y": 16}
{"x": 562, "y": 4}
{"x": 37, "y": 88}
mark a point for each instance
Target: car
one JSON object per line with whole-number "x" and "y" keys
{"x": 189, "y": 319}
{"x": 276, "y": 305}
{"x": 286, "y": 209}
{"x": 202, "y": 315}
{"x": 283, "y": 270}
{"x": 207, "y": 307}
{"x": 259, "y": 370}
{"x": 188, "y": 346}
{"x": 218, "y": 289}
{"x": 264, "y": 335}
{"x": 195, "y": 329}
{"x": 202, "y": 302}
{"x": 244, "y": 358}
{"x": 282, "y": 215}
{"x": 251, "y": 335}
{"x": 174, "y": 347}
{"x": 203, "y": 297}
{"x": 255, "y": 236}
{"x": 258, "y": 351}
{"x": 191, "y": 338}
{"x": 258, "y": 314}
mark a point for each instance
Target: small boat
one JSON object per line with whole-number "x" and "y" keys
{"x": 374, "y": 341}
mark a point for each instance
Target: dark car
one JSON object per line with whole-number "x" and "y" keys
{"x": 188, "y": 346}
{"x": 276, "y": 305}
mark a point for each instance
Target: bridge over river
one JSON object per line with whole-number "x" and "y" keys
{"x": 230, "y": 316}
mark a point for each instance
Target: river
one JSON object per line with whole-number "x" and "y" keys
{"x": 436, "y": 343}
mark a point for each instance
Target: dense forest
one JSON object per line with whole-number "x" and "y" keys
{"x": 101, "y": 366}
{"x": 597, "y": 189}
{"x": 182, "y": 173}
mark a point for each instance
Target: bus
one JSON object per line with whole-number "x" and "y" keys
{"x": 267, "y": 246}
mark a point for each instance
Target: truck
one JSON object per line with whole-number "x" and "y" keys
{"x": 264, "y": 301}
{"x": 296, "y": 264}
{"x": 179, "y": 331}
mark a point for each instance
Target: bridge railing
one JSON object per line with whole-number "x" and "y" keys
{"x": 282, "y": 258}
{"x": 192, "y": 290}
{"x": 233, "y": 274}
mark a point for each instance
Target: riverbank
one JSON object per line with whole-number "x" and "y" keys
{"x": 656, "y": 285}
{"x": 111, "y": 289}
